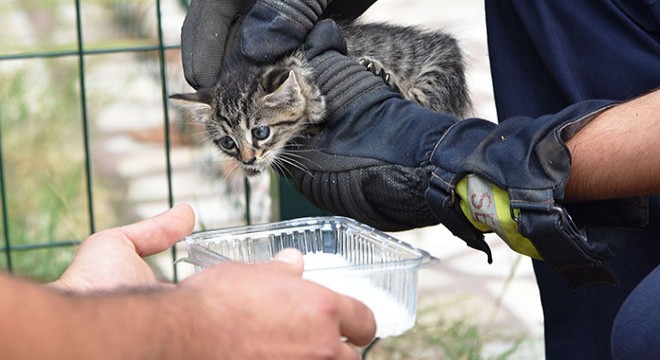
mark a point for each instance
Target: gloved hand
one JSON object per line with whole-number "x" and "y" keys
{"x": 395, "y": 165}
{"x": 408, "y": 173}
{"x": 209, "y": 33}
{"x": 275, "y": 28}
{"x": 364, "y": 164}
{"x": 212, "y": 29}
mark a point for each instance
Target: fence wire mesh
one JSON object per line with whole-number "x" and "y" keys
{"x": 87, "y": 138}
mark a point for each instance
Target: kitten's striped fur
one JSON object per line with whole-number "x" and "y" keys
{"x": 254, "y": 111}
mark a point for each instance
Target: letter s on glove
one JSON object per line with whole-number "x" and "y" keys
{"x": 487, "y": 207}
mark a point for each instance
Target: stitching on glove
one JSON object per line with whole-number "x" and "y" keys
{"x": 352, "y": 198}
{"x": 444, "y": 135}
{"x": 286, "y": 10}
{"x": 356, "y": 96}
{"x": 451, "y": 189}
{"x": 322, "y": 61}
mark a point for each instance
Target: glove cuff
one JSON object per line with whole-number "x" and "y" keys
{"x": 528, "y": 158}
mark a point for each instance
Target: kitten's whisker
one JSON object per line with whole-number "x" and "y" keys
{"x": 298, "y": 151}
{"x": 292, "y": 163}
{"x": 293, "y": 157}
{"x": 298, "y": 156}
{"x": 281, "y": 169}
{"x": 293, "y": 145}
{"x": 204, "y": 137}
{"x": 284, "y": 169}
{"x": 296, "y": 147}
{"x": 233, "y": 174}
{"x": 284, "y": 160}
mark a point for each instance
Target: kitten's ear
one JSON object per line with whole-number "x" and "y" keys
{"x": 198, "y": 102}
{"x": 287, "y": 92}
{"x": 274, "y": 78}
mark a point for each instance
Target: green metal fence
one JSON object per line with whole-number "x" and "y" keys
{"x": 80, "y": 52}
{"x": 59, "y": 62}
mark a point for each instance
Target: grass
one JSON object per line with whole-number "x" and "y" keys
{"x": 437, "y": 336}
{"x": 43, "y": 160}
{"x": 43, "y": 165}
{"x": 43, "y": 148}
{"x": 440, "y": 337}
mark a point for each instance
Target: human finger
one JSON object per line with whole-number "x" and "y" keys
{"x": 356, "y": 321}
{"x": 292, "y": 257}
{"x": 348, "y": 351}
{"x": 155, "y": 234}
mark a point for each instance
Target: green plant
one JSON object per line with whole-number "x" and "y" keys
{"x": 43, "y": 142}
{"x": 42, "y": 163}
{"x": 436, "y": 336}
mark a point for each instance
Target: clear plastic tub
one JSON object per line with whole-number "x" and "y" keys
{"x": 357, "y": 261}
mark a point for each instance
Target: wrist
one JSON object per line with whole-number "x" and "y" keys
{"x": 137, "y": 324}
{"x": 47, "y": 323}
{"x": 141, "y": 324}
{"x": 601, "y": 165}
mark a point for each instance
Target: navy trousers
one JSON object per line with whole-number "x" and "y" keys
{"x": 579, "y": 325}
{"x": 546, "y": 55}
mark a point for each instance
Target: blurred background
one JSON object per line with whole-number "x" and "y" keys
{"x": 88, "y": 141}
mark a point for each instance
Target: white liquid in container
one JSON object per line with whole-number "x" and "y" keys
{"x": 392, "y": 317}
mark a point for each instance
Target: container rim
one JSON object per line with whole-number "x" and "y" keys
{"x": 424, "y": 258}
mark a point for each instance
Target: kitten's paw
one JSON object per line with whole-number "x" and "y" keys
{"x": 378, "y": 69}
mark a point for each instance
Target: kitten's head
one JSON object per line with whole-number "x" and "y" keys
{"x": 254, "y": 111}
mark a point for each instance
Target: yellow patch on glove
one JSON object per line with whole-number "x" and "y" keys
{"x": 488, "y": 208}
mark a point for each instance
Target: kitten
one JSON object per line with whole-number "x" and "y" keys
{"x": 255, "y": 111}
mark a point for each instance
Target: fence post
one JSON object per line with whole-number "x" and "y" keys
{"x": 288, "y": 203}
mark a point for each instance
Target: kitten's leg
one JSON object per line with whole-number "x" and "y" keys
{"x": 407, "y": 90}
{"x": 433, "y": 86}
{"x": 379, "y": 69}
{"x": 440, "y": 87}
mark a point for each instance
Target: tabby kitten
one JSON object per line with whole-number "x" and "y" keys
{"x": 255, "y": 111}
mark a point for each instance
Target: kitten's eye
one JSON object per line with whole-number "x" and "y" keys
{"x": 261, "y": 132}
{"x": 226, "y": 142}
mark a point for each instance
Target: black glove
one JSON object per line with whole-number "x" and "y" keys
{"x": 395, "y": 165}
{"x": 209, "y": 33}
{"x": 363, "y": 164}
{"x": 211, "y": 30}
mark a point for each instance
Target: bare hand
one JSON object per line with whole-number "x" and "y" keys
{"x": 277, "y": 315}
{"x": 112, "y": 258}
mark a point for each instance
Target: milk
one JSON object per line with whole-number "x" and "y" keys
{"x": 392, "y": 317}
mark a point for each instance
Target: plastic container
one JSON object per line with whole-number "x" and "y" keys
{"x": 358, "y": 261}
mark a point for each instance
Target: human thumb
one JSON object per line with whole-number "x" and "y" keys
{"x": 292, "y": 257}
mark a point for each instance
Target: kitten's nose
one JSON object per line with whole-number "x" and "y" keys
{"x": 249, "y": 161}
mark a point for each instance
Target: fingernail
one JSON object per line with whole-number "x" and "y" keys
{"x": 289, "y": 256}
